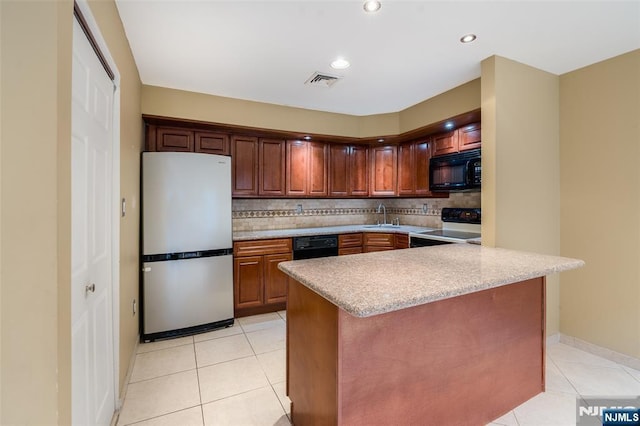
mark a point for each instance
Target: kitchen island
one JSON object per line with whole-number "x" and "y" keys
{"x": 441, "y": 335}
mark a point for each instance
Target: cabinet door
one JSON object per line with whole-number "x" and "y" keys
{"x": 212, "y": 143}
{"x": 350, "y": 240}
{"x": 401, "y": 241}
{"x": 275, "y": 281}
{"x": 297, "y": 167}
{"x": 272, "y": 167}
{"x": 359, "y": 171}
{"x": 174, "y": 139}
{"x": 248, "y": 281}
{"x": 384, "y": 177}
{"x": 318, "y": 162}
{"x": 378, "y": 239}
{"x": 339, "y": 170}
{"x": 244, "y": 162}
{"x": 406, "y": 169}
{"x": 422, "y": 155}
{"x": 469, "y": 137}
{"x": 445, "y": 143}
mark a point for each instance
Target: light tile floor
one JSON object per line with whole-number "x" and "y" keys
{"x": 236, "y": 376}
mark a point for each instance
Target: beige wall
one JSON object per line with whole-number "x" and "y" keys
{"x": 600, "y": 188}
{"x": 35, "y": 199}
{"x": 521, "y": 164}
{"x": 131, "y": 137}
{"x": 197, "y": 106}
{"x": 453, "y": 102}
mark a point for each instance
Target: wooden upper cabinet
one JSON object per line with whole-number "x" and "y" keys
{"x": 384, "y": 174}
{"x": 348, "y": 170}
{"x": 413, "y": 168}
{"x": 174, "y": 139}
{"x": 445, "y": 143}
{"x": 422, "y": 153}
{"x": 297, "y": 167}
{"x": 339, "y": 170}
{"x": 212, "y": 143}
{"x": 406, "y": 169}
{"x": 244, "y": 165}
{"x": 359, "y": 171}
{"x": 307, "y": 168}
{"x": 464, "y": 138}
{"x": 318, "y": 162}
{"x": 271, "y": 169}
{"x": 469, "y": 137}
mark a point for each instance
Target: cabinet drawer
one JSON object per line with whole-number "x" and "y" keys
{"x": 260, "y": 247}
{"x": 379, "y": 239}
{"x": 350, "y": 240}
{"x": 349, "y": 250}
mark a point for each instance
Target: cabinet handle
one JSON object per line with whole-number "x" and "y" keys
{"x": 90, "y": 288}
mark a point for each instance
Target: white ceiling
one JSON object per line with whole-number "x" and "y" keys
{"x": 407, "y": 52}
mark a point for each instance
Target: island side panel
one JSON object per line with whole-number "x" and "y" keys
{"x": 312, "y": 356}
{"x": 460, "y": 361}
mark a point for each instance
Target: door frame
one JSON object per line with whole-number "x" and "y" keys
{"x": 116, "y": 205}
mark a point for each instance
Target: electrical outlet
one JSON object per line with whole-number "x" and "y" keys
{"x": 134, "y": 306}
{"x": 299, "y": 208}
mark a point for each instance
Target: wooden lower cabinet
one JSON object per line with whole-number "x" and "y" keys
{"x": 275, "y": 281}
{"x": 249, "y": 281}
{"x": 258, "y": 285}
{"x": 378, "y": 241}
{"x": 401, "y": 241}
{"x": 350, "y": 243}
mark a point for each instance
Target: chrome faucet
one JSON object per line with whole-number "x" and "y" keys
{"x": 384, "y": 210}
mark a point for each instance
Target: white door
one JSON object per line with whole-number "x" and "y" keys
{"x": 93, "y": 393}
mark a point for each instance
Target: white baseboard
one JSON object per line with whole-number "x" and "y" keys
{"x": 622, "y": 359}
{"x": 553, "y": 339}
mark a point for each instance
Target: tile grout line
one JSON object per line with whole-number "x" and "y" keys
{"x": 195, "y": 357}
{"x": 565, "y": 377}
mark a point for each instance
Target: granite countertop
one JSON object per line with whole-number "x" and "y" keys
{"x": 325, "y": 230}
{"x": 375, "y": 283}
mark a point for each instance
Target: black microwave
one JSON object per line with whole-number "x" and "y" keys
{"x": 456, "y": 172}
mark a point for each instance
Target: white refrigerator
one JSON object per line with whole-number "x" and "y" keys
{"x": 187, "y": 250}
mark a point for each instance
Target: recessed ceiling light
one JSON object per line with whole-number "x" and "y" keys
{"x": 448, "y": 125}
{"x": 467, "y": 38}
{"x": 372, "y": 6}
{"x": 307, "y": 138}
{"x": 340, "y": 64}
{"x": 380, "y": 140}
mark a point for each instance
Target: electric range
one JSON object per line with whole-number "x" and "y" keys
{"x": 459, "y": 225}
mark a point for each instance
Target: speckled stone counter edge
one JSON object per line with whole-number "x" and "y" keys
{"x": 376, "y": 283}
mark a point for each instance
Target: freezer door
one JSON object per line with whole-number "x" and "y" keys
{"x": 186, "y": 202}
{"x": 187, "y": 293}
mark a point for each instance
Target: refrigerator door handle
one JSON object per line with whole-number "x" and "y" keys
{"x": 146, "y": 269}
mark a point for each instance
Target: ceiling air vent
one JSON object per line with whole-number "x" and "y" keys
{"x": 322, "y": 79}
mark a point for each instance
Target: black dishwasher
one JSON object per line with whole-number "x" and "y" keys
{"x": 315, "y": 246}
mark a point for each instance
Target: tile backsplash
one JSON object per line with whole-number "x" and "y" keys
{"x": 273, "y": 213}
